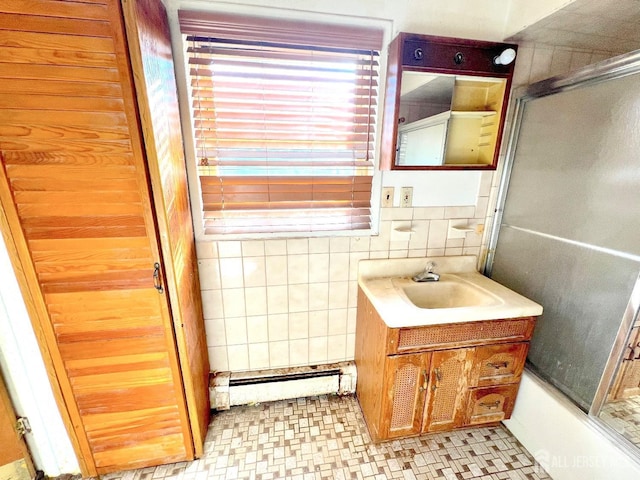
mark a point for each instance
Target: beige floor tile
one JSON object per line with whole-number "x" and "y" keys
{"x": 322, "y": 438}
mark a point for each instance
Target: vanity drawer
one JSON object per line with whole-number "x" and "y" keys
{"x": 405, "y": 340}
{"x": 490, "y": 404}
{"x": 499, "y": 364}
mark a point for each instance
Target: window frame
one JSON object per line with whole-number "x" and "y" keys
{"x": 188, "y": 126}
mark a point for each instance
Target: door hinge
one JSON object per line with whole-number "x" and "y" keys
{"x": 23, "y": 426}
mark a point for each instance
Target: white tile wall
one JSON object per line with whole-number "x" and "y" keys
{"x": 280, "y": 303}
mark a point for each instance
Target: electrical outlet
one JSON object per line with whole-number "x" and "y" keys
{"x": 406, "y": 196}
{"x": 387, "y": 197}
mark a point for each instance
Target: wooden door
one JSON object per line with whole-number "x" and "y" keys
{"x": 15, "y": 461}
{"x": 74, "y": 193}
{"x": 152, "y": 62}
{"x": 447, "y": 393}
{"x": 627, "y": 381}
{"x": 407, "y": 378}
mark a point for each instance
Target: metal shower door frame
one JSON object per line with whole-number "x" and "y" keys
{"x": 614, "y": 68}
{"x": 617, "y": 67}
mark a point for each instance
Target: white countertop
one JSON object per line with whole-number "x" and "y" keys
{"x": 375, "y": 277}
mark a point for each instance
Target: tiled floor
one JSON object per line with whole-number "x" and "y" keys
{"x": 325, "y": 438}
{"x": 624, "y": 416}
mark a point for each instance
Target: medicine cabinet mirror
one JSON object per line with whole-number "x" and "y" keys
{"x": 445, "y": 103}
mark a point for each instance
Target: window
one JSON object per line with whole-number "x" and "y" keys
{"x": 283, "y": 120}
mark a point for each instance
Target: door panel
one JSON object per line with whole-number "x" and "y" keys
{"x": 573, "y": 205}
{"x": 75, "y": 191}
{"x": 446, "y": 401}
{"x": 408, "y": 375}
{"x": 151, "y": 56}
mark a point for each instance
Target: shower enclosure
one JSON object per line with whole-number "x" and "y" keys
{"x": 567, "y": 233}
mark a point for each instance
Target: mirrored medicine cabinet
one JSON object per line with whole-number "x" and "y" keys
{"x": 445, "y": 103}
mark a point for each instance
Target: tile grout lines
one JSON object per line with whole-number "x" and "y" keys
{"x": 322, "y": 438}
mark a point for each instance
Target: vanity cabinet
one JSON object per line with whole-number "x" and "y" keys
{"x": 437, "y": 378}
{"x": 445, "y": 103}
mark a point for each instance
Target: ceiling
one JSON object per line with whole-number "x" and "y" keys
{"x": 601, "y": 25}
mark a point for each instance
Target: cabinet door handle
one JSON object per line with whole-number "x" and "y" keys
{"x": 490, "y": 405}
{"x": 157, "y": 281}
{"x": 438, "y": 375}
{"x": 425, "y": 381}
{"x": 633, "y": 351}
{"x": 497, "y": 365}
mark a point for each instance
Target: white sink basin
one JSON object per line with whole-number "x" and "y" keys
{"x": 461, "y": 295}
{"x": 451, "y": 291}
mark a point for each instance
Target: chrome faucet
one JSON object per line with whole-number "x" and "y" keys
{"x": 428, "y": 275}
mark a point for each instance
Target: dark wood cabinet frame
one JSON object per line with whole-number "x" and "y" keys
{"x": 445, "y": 55}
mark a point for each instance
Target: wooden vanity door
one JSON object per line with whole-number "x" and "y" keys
{"x": 76, "y": 207}
{"x": 407, "y": 377}
{"x": 447, "y": 392}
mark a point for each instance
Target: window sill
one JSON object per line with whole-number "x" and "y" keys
{"x": 286, "y": 235}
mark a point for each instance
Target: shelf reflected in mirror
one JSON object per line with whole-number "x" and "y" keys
{"x": 448, "y": 119}
{"x": 445, "y": 103}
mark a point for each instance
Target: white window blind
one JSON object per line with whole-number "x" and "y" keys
{"x": 284, "y": 116}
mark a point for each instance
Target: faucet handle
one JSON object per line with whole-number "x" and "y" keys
{"x": 430, "y": 266}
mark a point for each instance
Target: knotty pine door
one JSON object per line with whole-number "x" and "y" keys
{"x": 77, "y": 213}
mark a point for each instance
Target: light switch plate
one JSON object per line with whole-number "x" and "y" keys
{"x": 387, "y": 197}
{"x": 406, "y": 196}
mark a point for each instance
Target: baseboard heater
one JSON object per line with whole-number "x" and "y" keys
{"x": 227, "y": 389}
